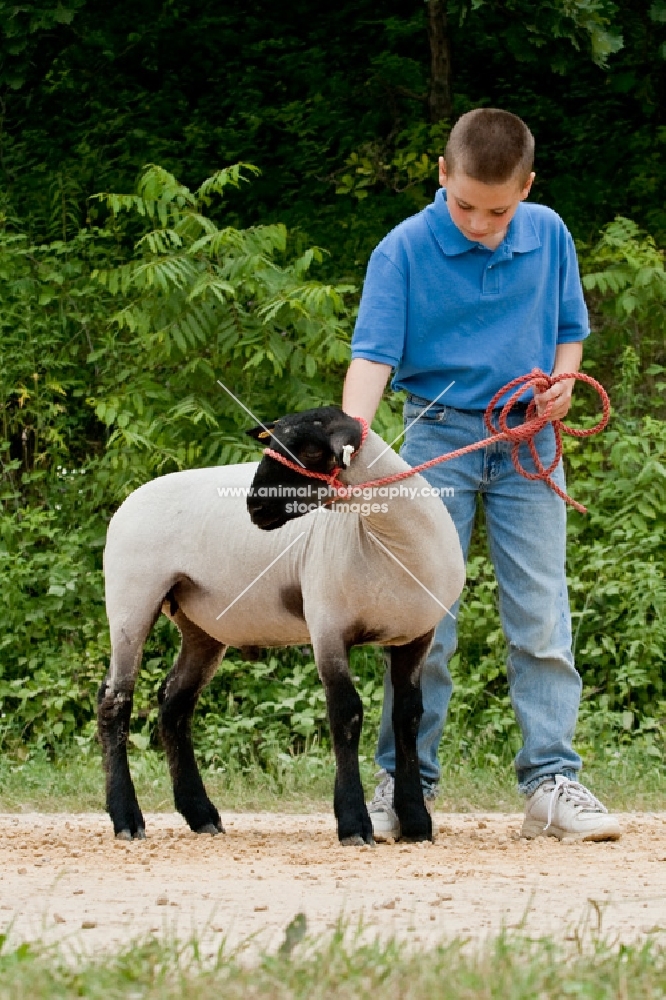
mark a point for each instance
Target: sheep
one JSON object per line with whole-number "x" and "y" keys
{"x": 256, "y": 571}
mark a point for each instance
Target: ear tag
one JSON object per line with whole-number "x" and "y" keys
{"x": 264, "y": 435}
{"x": 347, "y": 453}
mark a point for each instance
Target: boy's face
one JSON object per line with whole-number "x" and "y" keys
{"x": 482, "y": 212}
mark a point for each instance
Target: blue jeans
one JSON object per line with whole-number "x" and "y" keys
{"x": 526, "y": 525}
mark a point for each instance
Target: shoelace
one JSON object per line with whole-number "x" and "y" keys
{"x": 576, "y": 793}
{"x": 384, "y": 793}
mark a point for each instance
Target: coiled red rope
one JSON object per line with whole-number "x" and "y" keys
{"x": 523, "y": 434}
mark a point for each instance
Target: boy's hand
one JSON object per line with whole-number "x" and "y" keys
{"x": 560, "y": 395}
{"x": 567, "y": 359}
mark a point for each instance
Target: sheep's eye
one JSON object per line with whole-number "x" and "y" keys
{"x": 311, "y": 452}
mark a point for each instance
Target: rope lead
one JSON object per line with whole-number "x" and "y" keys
{"x": 523, "y": 434}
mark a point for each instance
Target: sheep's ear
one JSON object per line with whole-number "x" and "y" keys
{"x": 342, "y": 441}
{"x": 262, "y": 432}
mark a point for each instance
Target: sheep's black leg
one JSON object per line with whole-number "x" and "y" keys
{"x": 406, "y": 665}
{"x": 130, "y": 623}
{"x": 114, "y": 709}
{"x": 345, "y": 714}
{"x": 195, "y": 666}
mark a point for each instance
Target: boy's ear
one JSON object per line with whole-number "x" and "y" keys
{"x": 528, "y": 184}
{"x": 262, "y": 432}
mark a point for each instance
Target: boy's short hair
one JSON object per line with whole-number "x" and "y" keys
{"x": 490, "y": 145}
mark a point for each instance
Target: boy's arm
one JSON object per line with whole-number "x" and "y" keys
{"x": 364, "y": 384}
{"x": 567, "y": 359}
{"x": 379, "y": 334}
{"x": 573, "y": 328}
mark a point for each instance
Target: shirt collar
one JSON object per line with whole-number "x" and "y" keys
{"x": 521, "y": 237}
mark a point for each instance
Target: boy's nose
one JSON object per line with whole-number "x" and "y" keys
{"x": 478, "y": 225}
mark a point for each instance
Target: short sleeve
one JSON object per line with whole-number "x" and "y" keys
{"x": 573, "y": 321}
{"x": 379, "y": 334}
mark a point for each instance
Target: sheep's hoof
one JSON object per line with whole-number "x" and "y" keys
{"x": 357, "y": 841}
{"x": 127, "y": 834}
{"x": 211, "y": 829}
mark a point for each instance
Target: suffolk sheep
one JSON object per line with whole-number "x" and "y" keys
{"x": 255, "y": 555}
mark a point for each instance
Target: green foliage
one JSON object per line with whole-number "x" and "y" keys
{"x": 633, "y": 270}
{"x": 54, "y": 642}
{"x": 89, "y": 93}
{"x": 585, "y": 24}
{"x": 119, "y": 313}
{"x": 405, "y": 163}
{"x": 83, "y": 424}
{"x": 617, "y": 589}
{"x": 200, "y": 305}
{"x": 624, "y": 272}
{"x": 112, "y": 359}
{"x": 50, "y": 311}
{"x": 618, "y": 584}
{"x": 51, "y": 522}
{"x": 20, "y": 27}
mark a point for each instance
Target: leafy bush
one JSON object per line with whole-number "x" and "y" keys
{"x": 202, "y": 305}
{"x": 93, "y": 407}
{"x": 618, "y": 556}
{"x": 113, "y": 344}
{"x": 617, "y": 589}
{"x": 626, "y": 283}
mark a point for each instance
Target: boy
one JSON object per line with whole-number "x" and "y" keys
{"x": 475, "y": 290}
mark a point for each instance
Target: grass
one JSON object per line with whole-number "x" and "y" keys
{"x": 626, "y": 780}
{"x": 508, "y": 968}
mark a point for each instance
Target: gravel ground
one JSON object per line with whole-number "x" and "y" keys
{"x": 64, "y": 878}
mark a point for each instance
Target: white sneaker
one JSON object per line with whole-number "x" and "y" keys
{"x": 384, "y": 819}
{"x": 563, "y": 808}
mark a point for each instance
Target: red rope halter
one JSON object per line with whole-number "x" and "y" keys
{"x": 524, "y": 433}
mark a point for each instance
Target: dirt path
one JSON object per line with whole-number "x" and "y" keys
{"x": 64, "y": 877}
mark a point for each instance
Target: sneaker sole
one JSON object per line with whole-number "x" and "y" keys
{"x": 382, "y": 836}
{"x": 533, "y": 829}
{"x": 385, "y": 825}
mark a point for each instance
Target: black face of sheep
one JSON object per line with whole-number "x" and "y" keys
{"x": 321, "y": 440}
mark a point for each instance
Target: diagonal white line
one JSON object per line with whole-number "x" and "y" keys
{"x": 257, "y": 420}
{"x": 425, "y": 410}
{"x": 263, "y": 573}
{"x": 409, "y": 572}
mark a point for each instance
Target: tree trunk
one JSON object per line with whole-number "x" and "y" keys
{"x": 439, "y": 94}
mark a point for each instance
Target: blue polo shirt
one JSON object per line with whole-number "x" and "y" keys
{"x": 440, "y": 308}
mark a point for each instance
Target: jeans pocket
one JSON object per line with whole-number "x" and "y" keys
{"x": 416, "y": 408}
